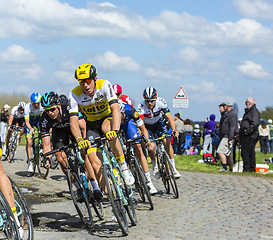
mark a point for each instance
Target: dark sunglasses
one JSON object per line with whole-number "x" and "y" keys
{"x": 51, "y": 109}
{"x": 83, "y": 81}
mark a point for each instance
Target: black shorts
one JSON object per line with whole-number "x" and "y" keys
{"x": 20, "y": 121}
{"x": 60, "y": 137}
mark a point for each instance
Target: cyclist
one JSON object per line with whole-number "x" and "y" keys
{"x": 17, "y": 117}
{"x": 33, "y": 111}
{"x": 56, "y": 116}
{"x": 98, "y": 102}
{"x": 150, "y": 110}
{"x": 130, "y": 122}
{"x": 124, "y": 98}
{"x": 6, "y": 189}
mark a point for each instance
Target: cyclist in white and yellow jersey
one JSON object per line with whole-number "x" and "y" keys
{"x": 98, "y": 102}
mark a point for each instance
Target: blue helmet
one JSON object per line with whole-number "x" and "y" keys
{"x": 35, "y": 97}
{"x": 49, "y": 99}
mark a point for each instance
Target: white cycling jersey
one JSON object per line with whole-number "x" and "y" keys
{"x": 151, "y": 116}
{"x": 15, "y": 112}
{"x": 30, "y": 112}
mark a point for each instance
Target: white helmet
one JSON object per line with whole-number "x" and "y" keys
{"x": 21, "y": 105}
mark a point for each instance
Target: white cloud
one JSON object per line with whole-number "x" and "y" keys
{"x": 110, "y": 62}
{"x": 33, "y": 73}
{"x": 189, "y": 54}
{"x": 65, "y": 77}
{"x": 255, "y": 8}
{"x": 253, "y": 70}
{"x": 160, "y": 74}
{"x": 17, "y": 53}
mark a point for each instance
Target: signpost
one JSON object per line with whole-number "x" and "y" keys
{"x": 181, "y": 99}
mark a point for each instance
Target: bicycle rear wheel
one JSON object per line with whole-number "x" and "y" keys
{"x": 53, "y": 161}
{"x": 170, "y": 175}
{"x": 8, "y": 226}
{"x": 22, "y": 212}
{"x": 163, "y": 172}
{"x": 115, "y": 200}
{"x": 141, "y": 183}
{"x": 79, "y": 198}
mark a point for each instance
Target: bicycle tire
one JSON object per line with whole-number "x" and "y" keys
{"x": 142, "y": 183}
{"x": 9, "y": 228}
{"x": 130, "y": 207}
{"x": 53, "y": 161}
{"x": 22, "y": 212}
{"x": 82, "y": 207}
{"x": 13, "y": 149}
{"x": 39, "y": 162}
{"x": 170, "y": 175}
{"x": 115, "y": 200}
{"x": 163, "y": 173}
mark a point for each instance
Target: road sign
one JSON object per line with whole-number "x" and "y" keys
{"x": 181, "y": 99}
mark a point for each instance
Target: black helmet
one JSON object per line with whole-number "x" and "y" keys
{"x": 150, "y": 93}
{"x": 49, "y": 99}
{"x": 63, "y": 99}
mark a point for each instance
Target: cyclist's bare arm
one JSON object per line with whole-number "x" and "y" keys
{"x": 46, "y": 144}
{"x": 82, "y": 125}
{"x": 171, "y": 121}
{"x": 75, "y": 127}
{"x": 11, "y": 119}
{"x": 116, "y": 116}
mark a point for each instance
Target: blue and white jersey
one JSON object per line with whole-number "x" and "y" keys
{"x": 15, "y": 112}
{"x": 152, "y": 116}
{"x": 132, "y": 114}
{"x": 33, "y": 114}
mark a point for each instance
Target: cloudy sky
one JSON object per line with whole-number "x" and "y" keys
{"x": 216, "y": 49}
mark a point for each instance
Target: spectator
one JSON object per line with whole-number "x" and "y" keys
{"x": 215, "y": 140}
{"x": 4, "y": 122}
{"x": 188, "y": 129}
{"x": 179, "y": 128}
{"x": 196, "y": 138}
{"x": 208, "y": 126}
{"x": 249, "y": 135}
{"x": 271, "y": 135}
{"x": 264, "y": 136}
{"x": 228, "y": 130}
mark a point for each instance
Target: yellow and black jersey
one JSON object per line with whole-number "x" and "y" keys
{"x": 96, "y": 107}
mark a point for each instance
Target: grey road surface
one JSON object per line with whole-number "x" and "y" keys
{"x": 211, "y": 206}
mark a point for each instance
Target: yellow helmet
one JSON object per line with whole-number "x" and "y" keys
{"x": 85, "y": 71}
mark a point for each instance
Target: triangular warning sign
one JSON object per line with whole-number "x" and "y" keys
{"x": 181, "y": 94}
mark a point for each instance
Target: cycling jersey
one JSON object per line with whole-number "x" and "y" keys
{"x": 33, "y": 114}
{"x": 126, "y": 99}
{"x": 151, "y": 116}
{"x": 15, "y": 112}
{"x": 131, "y": 122}
{"x": 94, "y": 108}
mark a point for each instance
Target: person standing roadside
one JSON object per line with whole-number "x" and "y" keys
{"x": 228, "y": 130}
{"x": 209, "y": 126}
{"x": 264, "y": 136}
{"x": 271, "y": 135}
{"x": 4, "y": 122}
{"x": 178, "y": 140}
{"x": 249, "y": 135}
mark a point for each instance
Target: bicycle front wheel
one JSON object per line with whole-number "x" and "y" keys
{"x": 170, "y": 175}
{"x": 22, "y": 212}
{"x": 40, "y": 163}
{"x": 115, "y": 200}
{"x": 141, "y": 183}
{"x": 79, "y": 198}
{"x": 8, "y": 226}
{"x": 13, "y": 149}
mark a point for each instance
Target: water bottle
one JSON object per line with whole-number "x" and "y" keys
{"x": 83, "y": 177}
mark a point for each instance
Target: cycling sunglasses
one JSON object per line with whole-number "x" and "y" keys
{"x": 50, "y": 109}
{"x": 150, "y": 100}
{"x": 88, "y": 81}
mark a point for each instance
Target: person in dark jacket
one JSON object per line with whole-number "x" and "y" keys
{"x": 228, "y": 130}
{"x": 249, "y": 135}
{"x": 208, "y": 126}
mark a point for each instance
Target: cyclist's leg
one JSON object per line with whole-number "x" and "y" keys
{"x": 118, "y": 152}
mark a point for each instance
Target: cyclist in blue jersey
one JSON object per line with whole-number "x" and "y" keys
{"x": 33, "y": 111}
{"x": 130, "y": 122}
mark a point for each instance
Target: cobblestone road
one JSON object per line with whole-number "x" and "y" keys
{"x": 211, "y": 206}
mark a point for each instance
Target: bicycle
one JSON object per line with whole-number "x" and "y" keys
{"x": 79, "y": 185}
{"x": 8, "y": 225}
{"x": 23, "y": 213}
{"x": 166, "y": 170}
{"x": 119, "y": 194}
{"x": 136, "y": 168}
{"x": 13, "y": 143}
